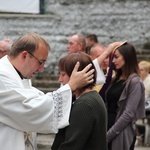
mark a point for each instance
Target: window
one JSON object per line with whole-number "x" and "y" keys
{"x": 21, "y": 6}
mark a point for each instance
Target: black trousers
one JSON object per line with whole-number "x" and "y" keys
{"x": 133, "y": 143}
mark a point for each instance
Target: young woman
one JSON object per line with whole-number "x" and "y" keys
{"x": 125, "y": 99}
{"x": 88, "y": 120}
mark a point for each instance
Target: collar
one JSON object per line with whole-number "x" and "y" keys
{"x": 19, "y": 74}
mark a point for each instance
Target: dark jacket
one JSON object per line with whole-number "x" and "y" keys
{"x": 88, "y": 125}
{"x": 131, "y": 106}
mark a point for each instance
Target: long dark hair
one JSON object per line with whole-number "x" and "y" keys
{"x": 128, "y": 52}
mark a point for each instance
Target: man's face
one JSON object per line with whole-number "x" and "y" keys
{"x": 34, "y": 63}
{"x": 96, "y": 53}
{"x": 105, "y": 63}
{"x": 73, "y": 45}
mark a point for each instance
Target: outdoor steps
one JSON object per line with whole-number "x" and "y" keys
{"x": 143, "y": 54}
{"x": 46, "y": 85}
{"x": 45, "y": 82}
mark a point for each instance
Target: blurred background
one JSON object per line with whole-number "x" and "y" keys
{"x": 57, "y": 20}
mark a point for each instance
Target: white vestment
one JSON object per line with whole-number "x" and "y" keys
{"x": 24, "y": 108}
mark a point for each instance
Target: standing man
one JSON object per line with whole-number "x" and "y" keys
{"x": 91, "y": 40}
{"x": 77, "y": 43}
{"x": 23, "y": 108}
{"x": 95, "y": 52}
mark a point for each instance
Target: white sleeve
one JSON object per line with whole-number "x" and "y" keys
{"x": 63, "y": 105}
{"x": 26, "y": 110}
{"x": 100, "y": 74}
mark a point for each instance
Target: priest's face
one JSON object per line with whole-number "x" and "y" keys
{"x": 32, "y": 63}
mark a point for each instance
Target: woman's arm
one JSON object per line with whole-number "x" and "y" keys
{"x": 111, "y": 47}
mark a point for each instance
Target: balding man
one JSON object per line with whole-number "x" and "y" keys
{"x": 77, "y": 43}
{"x": 96, "y": 51}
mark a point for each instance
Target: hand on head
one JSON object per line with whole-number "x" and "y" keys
{"x": 113, "y": 46}
{"x": 79, "y": 79}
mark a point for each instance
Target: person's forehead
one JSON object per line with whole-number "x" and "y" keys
{"x": 74, "y": 38}
{"x": 42, "y": 49}
{"x": 117, "y": 51}
{"x": 99, "y": 50}
{"x": 142, "y": 67}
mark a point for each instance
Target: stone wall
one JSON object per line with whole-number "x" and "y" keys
{"x": 110, "y": 20}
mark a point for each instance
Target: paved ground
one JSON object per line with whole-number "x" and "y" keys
{"x": 142, "y": 148}
{"x": 45, "y": 141}
{"x": 48, "y": 148}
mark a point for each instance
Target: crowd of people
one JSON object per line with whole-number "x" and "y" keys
{"x": 103, "y": 94}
